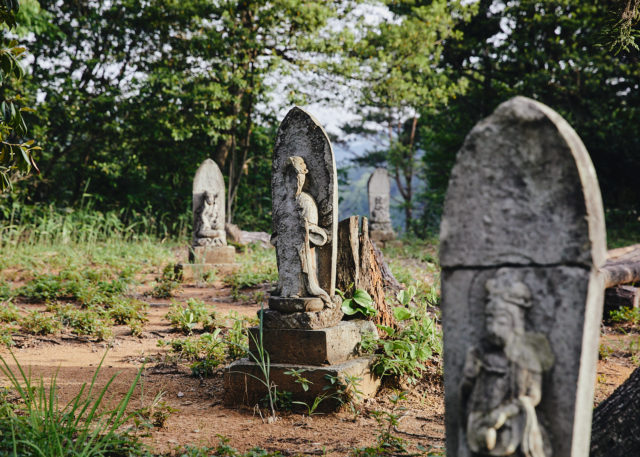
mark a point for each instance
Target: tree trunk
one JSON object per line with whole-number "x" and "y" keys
{"x": 616, "y": 422}
{"x": 358, "y": 267}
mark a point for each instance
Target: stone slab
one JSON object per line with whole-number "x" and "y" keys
{"x": 241, "y": 388}
{"x": 328, "y": 317}
{"x": 199, "y": 271}
{"x": 522, "y": 242}
{"x": 381, "y": 235}
{"x": 212, "y": 254}
{"x": 312, "y": 347}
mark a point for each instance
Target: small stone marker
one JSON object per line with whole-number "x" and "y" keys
{"x": 380, "y": 228}
{"x": 521, "y": 242}
{"x": 302, "y": 329}
{"x": 209, "y": 250}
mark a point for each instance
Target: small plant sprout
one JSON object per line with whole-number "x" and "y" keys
{"x": 361, "y": 302}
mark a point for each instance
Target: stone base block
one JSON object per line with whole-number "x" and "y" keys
{"x": 200, "y": 271}
{"x": 382, "y": 235}
{"x": 241, "y": 388}
{"x": 212, "y": 254}
{"x": 312, "y": 347}
{"x": 328, "y": 317}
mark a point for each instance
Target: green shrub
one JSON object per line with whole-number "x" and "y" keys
{"x": 206, "y": 352}
{"x": 625, "y": 315}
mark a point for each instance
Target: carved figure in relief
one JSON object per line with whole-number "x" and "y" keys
{"x": 314, "y": 235}
{"x": 209, "y": 230}
{"x": 380, "y": 211}
{"x": 502, "y": 382}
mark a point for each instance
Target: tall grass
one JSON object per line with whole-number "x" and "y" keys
{"x": 38, "y": 426}
{"x": 46, "y": 224}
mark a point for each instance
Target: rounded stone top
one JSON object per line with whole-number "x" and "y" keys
{"x": 523, "y": 192}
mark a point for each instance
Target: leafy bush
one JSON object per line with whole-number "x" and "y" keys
{"x": 167, "y": 283}
{"x": 207, "y": 351}
{"x": 625, "y": 315}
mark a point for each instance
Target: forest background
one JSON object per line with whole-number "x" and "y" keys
{"x": 129, "y": 96}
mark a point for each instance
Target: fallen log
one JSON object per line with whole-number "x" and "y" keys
{"x": 622, "y": 266}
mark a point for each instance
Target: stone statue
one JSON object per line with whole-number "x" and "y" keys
{"x": 304, "y": 197}
{"x": 502, "y": 376}
{"x": 380, "y": 228}
{"x": 208, "y": 228}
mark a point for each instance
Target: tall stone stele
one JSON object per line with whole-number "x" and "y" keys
{"x": 521, "y": 242}
{"x": 380, "y": 228}
{"x": 209, "y": 250}
{"x": 302, "y": 327}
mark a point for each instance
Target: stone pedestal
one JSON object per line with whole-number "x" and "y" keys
{"x": 204, "y": 260}
{"x": 322, "y": 353}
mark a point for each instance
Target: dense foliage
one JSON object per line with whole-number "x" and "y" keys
{"x": 132, "y": 95}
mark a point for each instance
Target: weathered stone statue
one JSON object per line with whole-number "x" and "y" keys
{"x": 502, "y": 376}
{"x": 209, "y": 251}
{"x": 522, "y": 241}
{"x": 380, "y": 228}
{"x": 208, "y": 206}
{"x": 304, "y": 195}
{"x": 302, "y": 328}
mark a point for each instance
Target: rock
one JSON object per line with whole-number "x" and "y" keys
{"x": 379, "y": 200}
{"x": 522, "y": 241}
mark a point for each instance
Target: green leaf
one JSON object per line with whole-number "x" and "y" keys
{"x": 402, "y": 314}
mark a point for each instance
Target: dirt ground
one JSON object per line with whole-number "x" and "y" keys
{"x": 200, "y": 417}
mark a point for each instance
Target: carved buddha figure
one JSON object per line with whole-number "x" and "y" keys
{"x": 208, "y": 230}
{"x": 502, "y": 382}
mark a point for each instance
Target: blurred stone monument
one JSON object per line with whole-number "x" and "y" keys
{"x": 380, "y": 228}
{"x": 302, "y": 327}
{"x": 209, "y": 250}
{"x": 521, "y": 242}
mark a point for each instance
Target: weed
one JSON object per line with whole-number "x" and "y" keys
{"x": 236, "y": 336}
{"x": 346, "y": 390}
{"x": 38, "y": 426}
{"x": 38, "y": 323}
{"x": 9, "y": 313}
{"x": 167, "y": 284}
{"x": 605, "y": 351}
{"x": 5, "y": 290}
{"x": 6, "y": 337}
{"x": 625, "y": 315}
{"x": 156, "y": 414}
{"x": 257, "y": 267}
{"x": 129, "y": 312}
{"x": 206, "y": 352}
{"x": 386, "y": 443}
{"x": 85, "y": 322}
{"x": 404, "y": 352}
{"x": 361, "y": 302}
{"x": 184, "y": 318}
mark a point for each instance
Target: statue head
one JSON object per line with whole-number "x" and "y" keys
{"x": 508, "y": 297}
{"x": 208, "y": 197}
{"x": 300, "y": 169}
